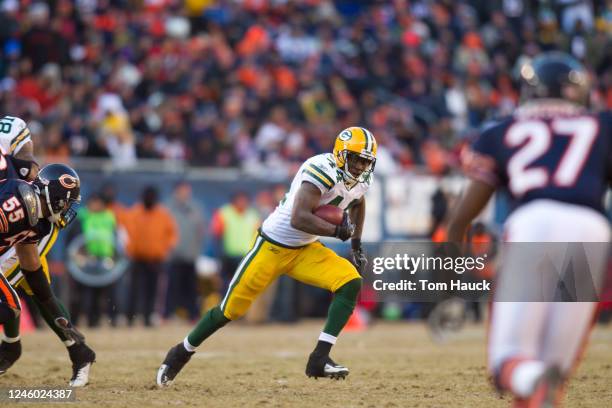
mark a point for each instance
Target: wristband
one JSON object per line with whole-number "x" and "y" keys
{"x": 356, "y": 243}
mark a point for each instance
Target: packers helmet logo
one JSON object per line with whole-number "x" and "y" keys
{"x": 68, "y": 181}
{"x": 346, "y": 135}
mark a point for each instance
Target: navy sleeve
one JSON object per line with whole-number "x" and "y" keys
{"x": 39, "y": 231}
{"x": 605, "y": 126}
{"x": 480, "y": 161}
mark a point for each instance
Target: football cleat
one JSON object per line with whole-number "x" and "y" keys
{"x": 9, "y": 353}
{"x": 174, "y": 362}
{"x": 82, "y": 358}
{"x": 547, "y": 388}
{"x": 324, "y": 366}
{"x": 535, "y": 387}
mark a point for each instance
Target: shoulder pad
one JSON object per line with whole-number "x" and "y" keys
{"x": 317, "y": 169}
{"x": 28, "y": 196}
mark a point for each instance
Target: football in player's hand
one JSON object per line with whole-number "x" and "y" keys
{"x": 329, "y": 213}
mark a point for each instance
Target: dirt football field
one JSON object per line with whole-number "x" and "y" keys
{"x": 392, "y": 365}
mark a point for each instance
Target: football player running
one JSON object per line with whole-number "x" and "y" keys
{"x": 554, "y": 157}
{"x": 288, "y": 243}
{"x": 59, "y": 185}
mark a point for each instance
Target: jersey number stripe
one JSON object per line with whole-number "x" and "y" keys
{"x": 13, "y": 207}
{"x": 535, "y": 138}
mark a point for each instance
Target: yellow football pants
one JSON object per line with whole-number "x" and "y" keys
{"x": 313, "y": 264}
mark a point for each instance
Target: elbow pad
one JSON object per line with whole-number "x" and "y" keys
{"x": 23, "y": 167}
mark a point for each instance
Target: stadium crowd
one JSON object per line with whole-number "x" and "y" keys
{"x": 268, "y": 82}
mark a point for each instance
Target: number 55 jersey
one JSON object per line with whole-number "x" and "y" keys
{"x": 19, "y": 215}
{"x": 548, "y": 149}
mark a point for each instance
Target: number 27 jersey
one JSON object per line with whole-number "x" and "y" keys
{"x": 546, "y": 151}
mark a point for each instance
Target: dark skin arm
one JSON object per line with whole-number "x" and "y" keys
{"x": 471, "y": 203}
{"x": 357, "y": 215}
{"x": 302, "y": 218}
{"x": 28, "y": 256}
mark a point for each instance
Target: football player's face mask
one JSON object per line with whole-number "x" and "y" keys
{"x": 355, "y": 154}
{"x": 68, "y": 215}
{"x": 356, "y": 165}
{"x": 62, "y": 212}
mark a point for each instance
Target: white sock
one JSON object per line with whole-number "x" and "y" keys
{"x": 10, "y": 339}
{"x": 188, "y": 345}
{"x": 524, "y": 377}
{"x": 516, "y": 329}
{"x": 328, "y": 338}
{"x": 69, "y": 343}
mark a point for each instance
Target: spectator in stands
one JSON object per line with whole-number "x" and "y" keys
{"x": 575, "y": 13}
{"x": 182, "y": 279}
{"x": 152, "y": 235}
{"x": 231, "y": 224}
{"x": 206, "y": 89}
{"x": 115, "y": 130}
{"x": 109, "y": 196}
{"x": 42, "y": 42}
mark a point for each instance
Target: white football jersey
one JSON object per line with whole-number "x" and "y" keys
{"x": 14, "y": 134}
{"x": 320, "y": 170}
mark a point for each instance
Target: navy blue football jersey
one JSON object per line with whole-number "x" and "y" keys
{"x": 546, "y": 150}
{"x": 19, "y": 221}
